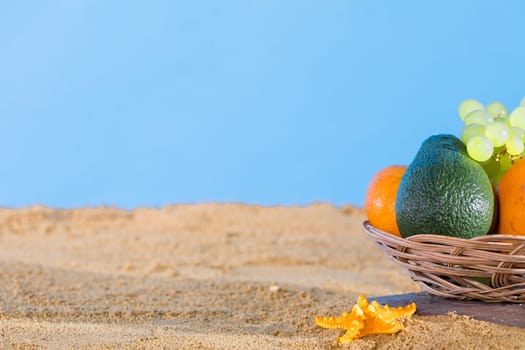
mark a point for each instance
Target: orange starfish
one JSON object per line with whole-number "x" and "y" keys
{"x": 367, "y": 319}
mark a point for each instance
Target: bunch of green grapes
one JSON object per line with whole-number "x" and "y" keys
{"x": 492, "y": 136}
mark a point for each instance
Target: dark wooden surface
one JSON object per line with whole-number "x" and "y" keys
{"x": 430, "y": 305}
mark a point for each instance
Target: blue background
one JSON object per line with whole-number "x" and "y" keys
{"x": 146, "y": 103}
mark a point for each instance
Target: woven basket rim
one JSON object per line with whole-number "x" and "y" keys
{"x": 452, "y": 267}
{"x": 494, "y": 241}
{"x": 487, "y": 237}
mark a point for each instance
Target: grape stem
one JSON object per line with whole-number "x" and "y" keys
{"x": 504, "y": 153}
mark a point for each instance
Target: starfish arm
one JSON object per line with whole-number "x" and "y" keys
{"x": 377, "y": 326}
{"x": 328, "y": 322}
{"x": 344, "y": 321}
{"x": 347, "y": 338}
{"x": 388, "y": 314}
{"x": 353, "y": 332}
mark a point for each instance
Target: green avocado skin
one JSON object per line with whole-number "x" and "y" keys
{"x": 444, "y": 192}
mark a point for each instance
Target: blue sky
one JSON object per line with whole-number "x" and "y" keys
{"x": 133, "y": 103}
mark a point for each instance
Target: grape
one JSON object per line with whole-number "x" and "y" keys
{"x": 514, "y": 146}
{"x": 497, "y": 109}
{"x": 516, "y": 132}
{"x": 505, "y": 121}
{"x": 468, "y": 106}
{"x": 472, "y": 130}
{"x": 517, "y": 117}
{"x": 497, "y": 133}
{"x": 480, "y": 148}
{"x": 478, "y": 117}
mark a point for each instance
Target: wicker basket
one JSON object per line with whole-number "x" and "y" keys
{"x": 457, "y": 268}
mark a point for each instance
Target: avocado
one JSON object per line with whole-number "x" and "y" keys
{"x": 445, "y": 192}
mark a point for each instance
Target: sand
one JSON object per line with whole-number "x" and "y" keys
{"x": 209, "y": 276}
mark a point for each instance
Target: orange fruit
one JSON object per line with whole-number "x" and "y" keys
{"x": 511, "y": 200}
{"x": 380, "y": 201}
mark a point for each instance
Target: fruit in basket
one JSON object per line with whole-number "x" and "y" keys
{"x": 468, "y": 106}
{"x": 381, "y": 198}
{"x": 444, "y": 192}
{"x": 511, "y": 198}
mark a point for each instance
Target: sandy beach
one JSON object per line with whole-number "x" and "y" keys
{"x": 208, "y": 276}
